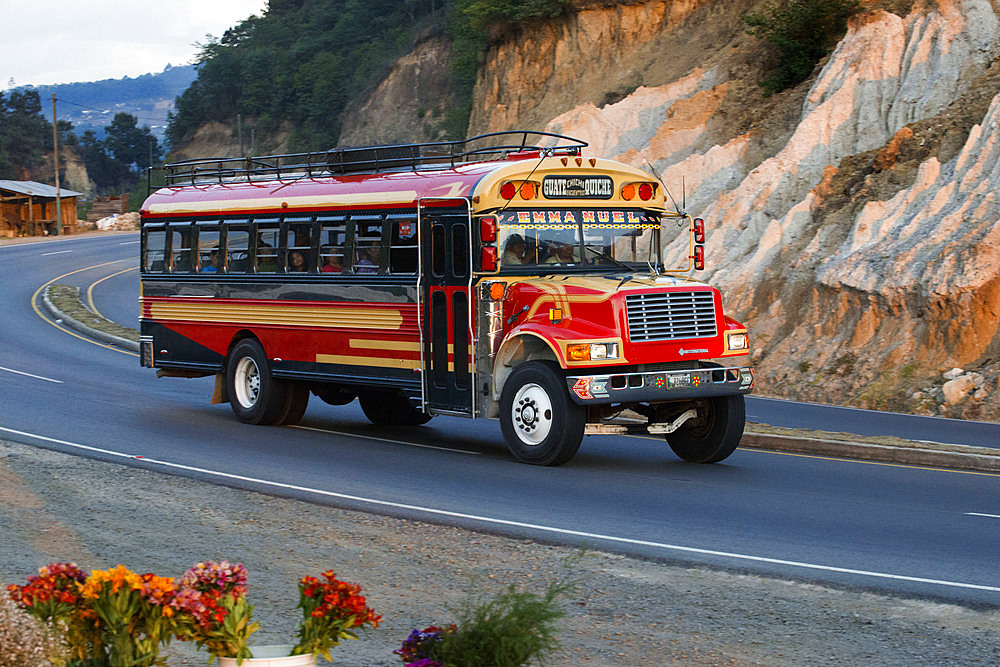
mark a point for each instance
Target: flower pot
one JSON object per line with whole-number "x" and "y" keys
{"x": 272, "y": 656}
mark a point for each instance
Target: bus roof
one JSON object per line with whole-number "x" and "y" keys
{"x": 222, "y": 187}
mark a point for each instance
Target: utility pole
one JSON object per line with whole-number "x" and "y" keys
{"x": 55, "y": 161}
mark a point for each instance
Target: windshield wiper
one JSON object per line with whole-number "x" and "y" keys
{"x": 601, "y": 253}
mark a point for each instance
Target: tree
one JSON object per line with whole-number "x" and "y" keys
{"x": 117, "y": 162}
{"x": 25, "y": 135}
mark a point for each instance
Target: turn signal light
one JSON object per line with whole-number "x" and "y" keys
{"x": 527, "y": 190}
{"x": 628, "y": 192}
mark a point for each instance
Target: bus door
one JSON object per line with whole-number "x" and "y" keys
{"x": 446, "y": 331}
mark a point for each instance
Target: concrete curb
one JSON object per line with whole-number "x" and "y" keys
{"x": 89, "y": 331}
{"x": 916, "y": 455}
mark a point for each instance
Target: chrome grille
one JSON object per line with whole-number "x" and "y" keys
{"x": 670, "y": 315}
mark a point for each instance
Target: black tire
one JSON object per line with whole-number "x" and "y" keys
{"x": 714, "y": 434}
{"x": 540, "y": 422}
{"x": 296, "y": 402}
{"x": 255, "y": 396}
{"x": 386, "y": 408}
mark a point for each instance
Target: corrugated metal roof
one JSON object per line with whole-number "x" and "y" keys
{"x": 36, "y": 189}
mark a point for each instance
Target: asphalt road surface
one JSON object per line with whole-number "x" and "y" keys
{"x": 901, "y": 529}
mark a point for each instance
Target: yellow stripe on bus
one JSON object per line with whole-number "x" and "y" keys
{"x": 355, "y": 318}
{"x": 369, "y": 344}
{"x": 381, "y": 362}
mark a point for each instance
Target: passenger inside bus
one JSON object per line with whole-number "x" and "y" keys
{"x": 368, "y": 260}
{"x": 214, "y": 263}
{"x": 513, "y": 252}
{"x": 296, "y": 262}
{"x": 267, "y": 257}
{"x": 332, "y": 264}
{"x": 562, "y": 253}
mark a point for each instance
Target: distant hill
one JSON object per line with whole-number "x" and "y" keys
{"x": 92, "y": 105}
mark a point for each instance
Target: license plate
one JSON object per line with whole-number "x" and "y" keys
{"x": 677, "y": 381}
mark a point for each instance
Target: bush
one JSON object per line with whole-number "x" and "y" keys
{"x": 25, "y": 640}
{"x": 801, "y": 32}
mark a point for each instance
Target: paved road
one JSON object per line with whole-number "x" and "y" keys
{"x": 893, "y": 528}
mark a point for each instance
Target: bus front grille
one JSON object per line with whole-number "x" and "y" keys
{"x": 670, "y": 315}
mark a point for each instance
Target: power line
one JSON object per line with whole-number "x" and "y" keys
{"x": 84, "y": 106}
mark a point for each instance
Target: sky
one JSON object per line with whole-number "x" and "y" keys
{"x": 66, "y": 41}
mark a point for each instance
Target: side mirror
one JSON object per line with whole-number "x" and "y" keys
{"x": 699, "y": 230}
{"x": 699, "y": 257}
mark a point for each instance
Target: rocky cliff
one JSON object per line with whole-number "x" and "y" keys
{"x": 853, "y": 222}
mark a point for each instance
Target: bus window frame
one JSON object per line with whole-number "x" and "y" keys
{"x": 387, "y": 231}
{"x": 340, "y": 223}
{"x": 179, "y": 227}
{"x": 202, "y": 226}
{"x": 381, "y": 267}
{"x": 229, "y": 226}
{"x": 160, "y": 227}
{"x": 286, "y": 249}
{"x": 266, "y": 223}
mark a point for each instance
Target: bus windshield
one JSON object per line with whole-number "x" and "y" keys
{"x": 569, "y": 238}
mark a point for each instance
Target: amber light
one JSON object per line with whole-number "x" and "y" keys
{"x": 628, "y": 192}
{"x": 527, "y": 190}
{"x": 699, "y": 230}
{"x": 578, "y": 352}
{"x": 497, "y": 291}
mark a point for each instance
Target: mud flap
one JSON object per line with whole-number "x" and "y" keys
{"x": 220, "y": 395}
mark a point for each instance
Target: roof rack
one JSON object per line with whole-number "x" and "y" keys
{"x": 369, "y": 159}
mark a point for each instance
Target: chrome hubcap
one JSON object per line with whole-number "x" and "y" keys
{"x": 247, "y": 382}
{"x": 532, "y": 414}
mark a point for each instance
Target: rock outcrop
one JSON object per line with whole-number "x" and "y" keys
{"x": 853, "y": 221}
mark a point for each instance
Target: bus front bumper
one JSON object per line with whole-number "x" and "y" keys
{"x": 660, "y": 386}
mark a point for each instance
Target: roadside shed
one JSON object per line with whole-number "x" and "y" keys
{"x": 28, "y": 208}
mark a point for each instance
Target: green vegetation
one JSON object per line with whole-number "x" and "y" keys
{"x": 303, "y": 63}
{"x": 801, "y": 32}
{"x": 115, "y": 162}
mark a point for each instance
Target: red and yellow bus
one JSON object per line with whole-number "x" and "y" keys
{"x": 507, "y": 276}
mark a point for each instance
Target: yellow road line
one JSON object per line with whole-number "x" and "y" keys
{"x": 90, "y": 290}
{"x": 38, "y": 310}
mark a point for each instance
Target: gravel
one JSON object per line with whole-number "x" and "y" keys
{"x": 58, "y": 507}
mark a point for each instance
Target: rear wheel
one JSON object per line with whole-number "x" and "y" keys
{"x": 387, "y": 408}
{"x": 255, "y": 396}
{"x": 714, "y": 434}
{"x": 540, "y": 422}
{"x": 296, "y": 402}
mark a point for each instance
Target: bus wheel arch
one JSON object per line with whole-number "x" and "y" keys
{"x": 516, "y": 351}
{"x": 540, "y": 422}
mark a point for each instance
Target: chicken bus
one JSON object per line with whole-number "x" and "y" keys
{"x": 507, "y": 276}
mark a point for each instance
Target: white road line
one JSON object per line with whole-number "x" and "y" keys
{"x": 129, "y": 243}
{"x": 988, "y": 516}
{"x": 31, "y": 375}
{"x": 519, "y": 524}
{"x": 398, "y": 442}
{"x": 57, "y": 252}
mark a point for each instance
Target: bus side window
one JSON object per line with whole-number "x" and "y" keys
{"x": 267, "y": 248}
{"x": 298, "y": 246}
{"x": 237, "y": 248}
{"x": 367, "y": 247}
{"x": 209, "y": 256}
{"x": 181, "y": 249}
{"x": 403, "y": 247}
{"x": 156, "y": 239}
{"x": 332, "y": 237}
{"x": 460, "y": 250}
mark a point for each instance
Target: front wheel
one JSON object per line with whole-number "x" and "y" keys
{"x": 540, "y": 422}
{"x": 714, "y": 434}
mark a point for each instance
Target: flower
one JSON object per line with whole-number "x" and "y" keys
{"x": 212, "y": 609}
{"x": 330, "y": 610}
{"x": 418, "y": 649}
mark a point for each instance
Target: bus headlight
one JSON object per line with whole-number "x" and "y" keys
{"x": 737, "y": 341}
{"x": 592, "y": 351}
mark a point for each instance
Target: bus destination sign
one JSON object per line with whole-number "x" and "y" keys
{"x": 578, "y": 187}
